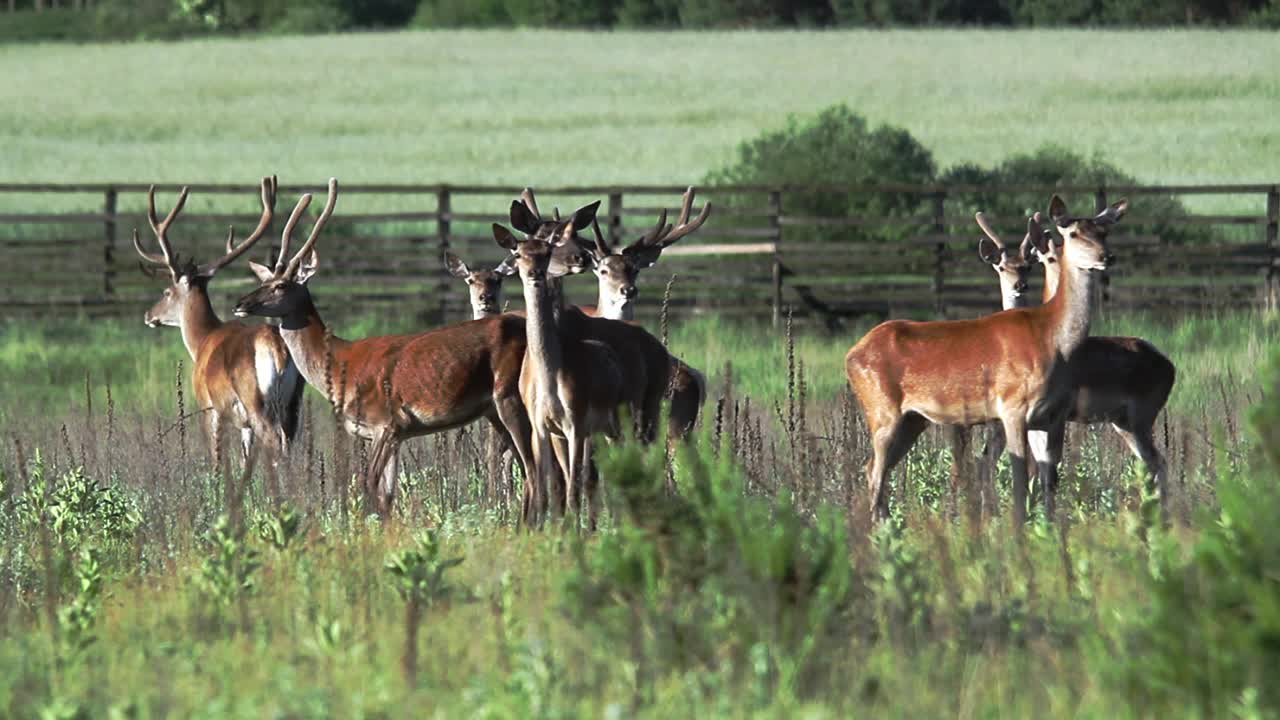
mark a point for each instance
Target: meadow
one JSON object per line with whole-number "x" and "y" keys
{"x": 739, "y": 576}
{"x": 553, "y": 108}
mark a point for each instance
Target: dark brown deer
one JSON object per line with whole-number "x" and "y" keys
{"x": 242, "y": 375}
{"x": 617, "y": 272}
{"x": 1011, "y": 366}
{"x": 391, "y": 388}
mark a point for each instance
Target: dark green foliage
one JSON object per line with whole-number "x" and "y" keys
{"x": 711, "y": 578}
{"x": 837, "y": 147}
{"x": 462, "y": 13}
{"x": 1211, "y": 637}
{"x": 880, "y": 13}
{"x": 648, "y": 13}
{"x": 1052, "y": 166}
{"x": 79, "y": 510}
{"x": 753, "y": 13}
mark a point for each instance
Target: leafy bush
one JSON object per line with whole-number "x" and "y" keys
{"x": 710, "y": 578}
{"x": 1211, "y": 638}
{"x": 79, "y": 510}
{"x": 837, "y": 147}
{"x": 461, "y": 13}
{"x": 1052, "y": 166}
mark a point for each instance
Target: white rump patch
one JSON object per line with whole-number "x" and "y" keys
{"x": 276, "y": 385}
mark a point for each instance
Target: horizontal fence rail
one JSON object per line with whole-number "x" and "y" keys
{"x": 765, "y": 251}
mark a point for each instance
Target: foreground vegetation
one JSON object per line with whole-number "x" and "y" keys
{"x": 139, "y": 579}
{"x": 470, "y": 106}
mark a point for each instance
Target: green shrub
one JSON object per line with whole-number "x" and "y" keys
{"x": 1053, "y": 166}
{"x": 58, "y": 24}
{"x": 710, "y": 579}
{"x": 1211, "y": 637}
{"x": 461, "y": 13}
{"x": 837, "y": 147}
{"x": 648, "y": 13}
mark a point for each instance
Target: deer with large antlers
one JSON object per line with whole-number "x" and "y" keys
{"x": 242, "y": 375}
{"x": 1011, "y": 366}
{"x": 571, "y": 383}
{"x": 391, "y": 388}
{"x": 616, "y": 274}
{"x": 1124, "y": 381}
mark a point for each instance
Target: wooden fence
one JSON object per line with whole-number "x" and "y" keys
{"x": 754, "y": 257}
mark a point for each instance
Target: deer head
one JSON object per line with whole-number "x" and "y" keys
{"x": 1084, "y": 239}
{"x": 1013, "y": 267}
{"x": 485, "y": 286}
{"x": 617, "y": 270}
{"x": 550, "y": 248}
{"x": 283, "y": 292}
{"x": 186, "y": 278}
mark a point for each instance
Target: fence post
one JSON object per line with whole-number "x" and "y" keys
{"x": 615, "y": 218}
{"x": 1273, "y": 241}
{"x": 775, "y": 223}
{"x": 444, "y": 214}
{"x": 940, "y": 253}
{"x": 1103, "y": 295}
{"x": 109, "y": 243}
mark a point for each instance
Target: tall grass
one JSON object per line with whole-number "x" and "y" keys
{"x": 523, "y": 107}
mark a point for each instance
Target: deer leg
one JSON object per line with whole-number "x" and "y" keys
{"x": 891, "y": 444}
{"x": 1142, "y": 444}
{"x": 1046, "y": 448}
{"x": 563, "y": 447}
{"x": 246, "y": 442}
{"x": 515, "y": 421}
{"x": 1015, "y": 435}
{"x": 958, "y": 439}
{"x": 987, "y": 473}
{"x": 592, "y": 487}
{"x": 213, "y": 433}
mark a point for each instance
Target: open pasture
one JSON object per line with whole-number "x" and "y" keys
{"x": 521, "y": 107}
{"x": 741, "y": 573}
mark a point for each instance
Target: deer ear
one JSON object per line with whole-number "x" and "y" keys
{"x": 584, "y": 216}
{"x": 988, "y": 251}
{"x": 507, "y": 267}
{"x": 307, "y": 268}
{"x": 522, "y": 218}
{"x": 456, "y": 267}
{"x": 644, "y": 256}
{"x": 1057, "y": 209}
{"x": 1113, "y": 213}
{"x": 503, "y": 236}
{"x": 260, "y": 271}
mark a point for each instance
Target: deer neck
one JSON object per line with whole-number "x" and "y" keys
{"x": 1071, "y": 307}
{"x": 198, "y": 318}
{"x": 544, "y": 355}
{"x": 479, "y": 313}
{"x": 1010, "y": 299}
{"x": 303, "y": 332}
{"x": 1052, "y": 276}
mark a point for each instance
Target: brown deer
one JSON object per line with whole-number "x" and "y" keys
{"x": 616, "y": 274}
{"x": 483, "y": 286}
{"x": 1124, "y": 381}
{"x": 1011, "y": 366}
{"x": 391, "y": 388}
{"x": 242, "y": 375}
{"x": 571, "y": 384}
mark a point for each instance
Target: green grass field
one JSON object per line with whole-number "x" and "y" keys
{"x": 546, "y": 108}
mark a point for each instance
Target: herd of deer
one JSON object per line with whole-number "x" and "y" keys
{"x": 554, "y": 376}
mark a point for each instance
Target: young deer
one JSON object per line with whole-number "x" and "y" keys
{"x": 571, "y": 384}
{"x": 392, "y": 388}
{"x": 1013, "y": 268}
{"x": 616, "y": 274}
{"x": 1124, "y": 381}
{"x": 1010, "y": 366}
{"x": 242, "y": 375}
{"x": 484, "y": 286}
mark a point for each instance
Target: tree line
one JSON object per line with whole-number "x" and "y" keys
{"x": 128, "y": 19}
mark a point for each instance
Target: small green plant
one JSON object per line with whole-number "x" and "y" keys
{"x": 226, "y": 575}
{"x": 419, "y": 576}
{"x": 79, "y": 510}
{"x": 76, "y": 619}
{"x": 281, "y": 528}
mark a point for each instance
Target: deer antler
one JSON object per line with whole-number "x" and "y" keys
{"x": 526, "y": 196}
{"x": 664, "y": 235}
{"x": 160, "y": 229}
{"x": 988, "y": 230}
{"x": 269, "y": 185}
{"x": 602, "y": 245}
{"x": 330, "y": 203}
